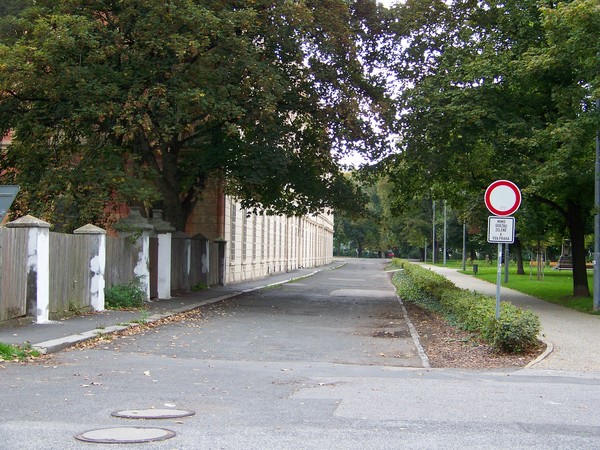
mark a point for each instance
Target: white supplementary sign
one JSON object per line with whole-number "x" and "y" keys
{"x": 501, "y": 230}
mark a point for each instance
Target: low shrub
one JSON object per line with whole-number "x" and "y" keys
{"x": 407, "y": 290}
{"x": 10, "y": 352}
{"x": 128, "y": 296}
{"x": 514, "y": 331}
{"x": 427, "y": 281}
{"x": 468, "y": 308}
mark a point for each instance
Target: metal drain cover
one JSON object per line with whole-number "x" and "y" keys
{"x": 125, "y": 435}
{"x": 152, "y": 413}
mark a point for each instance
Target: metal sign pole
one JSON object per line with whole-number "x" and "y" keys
{"x": 506, "y": 262}
{"x": 433, "y": 237}
{"x": 498, "y": 281}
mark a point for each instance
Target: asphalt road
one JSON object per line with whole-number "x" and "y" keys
{"x": 327, "y": 362}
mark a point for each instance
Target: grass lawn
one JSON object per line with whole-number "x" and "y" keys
{"x": 556, "y": 286}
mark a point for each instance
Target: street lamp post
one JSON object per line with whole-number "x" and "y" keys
{"x": 597, "y": 219}
{"x": 464, "y": 250}
{"x": 433, "y": 237}
{"x": 445, "y": 232}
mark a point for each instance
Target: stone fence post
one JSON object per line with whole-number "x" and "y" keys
{"x": 97, "y": 265}
{"x": 137, "y": 226}
{"x": 38, "y": 266}
{"x": 163, "y": 230}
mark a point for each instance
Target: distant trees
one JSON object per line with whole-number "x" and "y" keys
{"x": 384, "y": 227}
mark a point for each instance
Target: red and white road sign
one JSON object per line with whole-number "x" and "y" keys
{"x": 502, "y": 198}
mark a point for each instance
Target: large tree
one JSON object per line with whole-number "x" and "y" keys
{"x": 146, "y": 100}
{"x": 500, "y": 90}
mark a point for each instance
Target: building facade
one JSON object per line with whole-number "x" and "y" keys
{"x": 258, "y": 245}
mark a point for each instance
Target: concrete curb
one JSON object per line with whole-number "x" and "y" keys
{"x": 545, "y": 353}
{"x": 415, "y": 336}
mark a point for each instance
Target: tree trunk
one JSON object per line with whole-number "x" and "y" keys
{"x": 519, "y": 255}
{"x": 576, "y": 226}
{"x": 359, "y": 249}
{"x": 539, "y": 261}
{"x": 173, "y": 210}
{"x": 472, "y": 254}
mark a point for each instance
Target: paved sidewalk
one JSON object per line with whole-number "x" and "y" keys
{"x": 572, "y": 336}
{"x": 57, "y": 335}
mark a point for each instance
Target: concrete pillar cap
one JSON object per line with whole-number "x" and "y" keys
{"x": 28, "y": 221}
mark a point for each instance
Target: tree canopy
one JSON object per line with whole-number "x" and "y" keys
{"x": 145, "y": 101}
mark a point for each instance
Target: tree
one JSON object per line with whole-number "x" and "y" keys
{"x": 357, "y": 231}
{"x": 147, "y": 100}
{"x": 490, "y": 93}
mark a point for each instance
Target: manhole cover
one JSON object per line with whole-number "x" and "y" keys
{"x": 152, "y": 413}
{"x": 125, "y": 435}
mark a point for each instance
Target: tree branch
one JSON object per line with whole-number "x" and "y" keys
{"x": 563, "y": 212}
{"x": 24, "y": 99}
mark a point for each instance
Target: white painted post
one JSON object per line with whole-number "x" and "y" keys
{"x": 38, "y": 266}
{"x": 164, "y": 265}
{"x": 135, "y": 224}
{"x": 142, "y": 268}
{"x": 163, "y": 231}
{"x": 97, "y": 264}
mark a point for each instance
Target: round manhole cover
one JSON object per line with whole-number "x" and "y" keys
{"x": 125, "y": 435}
{"x": 152, "y": 413}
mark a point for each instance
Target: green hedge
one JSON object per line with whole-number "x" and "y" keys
{"x": 514, "y": 331}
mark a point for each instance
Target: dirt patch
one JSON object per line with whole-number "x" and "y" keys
{"x": 447, "y": 346}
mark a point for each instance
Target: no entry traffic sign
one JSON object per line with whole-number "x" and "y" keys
{"x": 502, "y": 198}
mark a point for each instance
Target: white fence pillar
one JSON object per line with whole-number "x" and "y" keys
{"x": 38, "y": 266}
{"x": 137, "y": 227}
{"x": 164, "y": 232}
{"x": 97, "y": 264}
